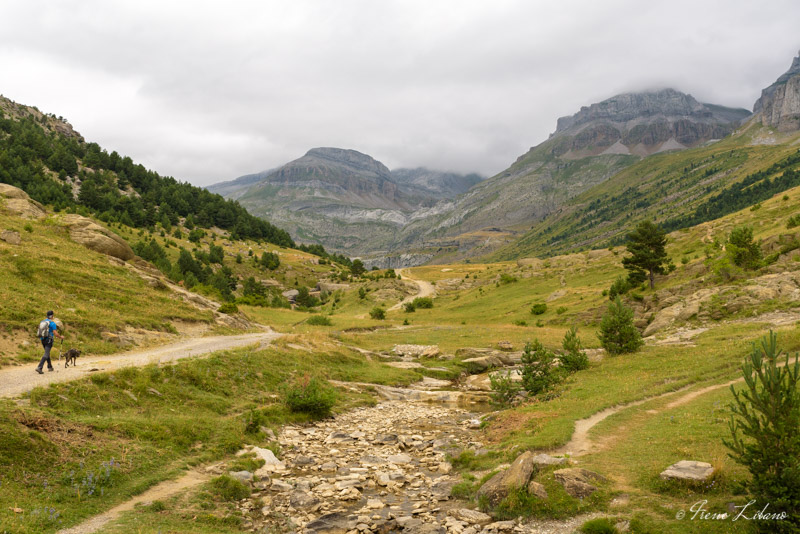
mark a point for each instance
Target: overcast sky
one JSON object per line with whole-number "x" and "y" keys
{"x": 208, "y": 91}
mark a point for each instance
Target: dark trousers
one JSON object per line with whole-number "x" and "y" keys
{"x": 47, "y": 343}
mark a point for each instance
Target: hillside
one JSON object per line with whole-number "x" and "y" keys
{"x": 44, "y": 156}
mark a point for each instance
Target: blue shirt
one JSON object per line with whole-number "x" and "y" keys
{"x": 53, "y": 327}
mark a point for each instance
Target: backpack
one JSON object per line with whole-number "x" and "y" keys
{"x": 43, "y": 332}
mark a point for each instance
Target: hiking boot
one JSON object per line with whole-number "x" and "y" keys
{"x": 51, "y": 369}
{"x": 39, "y": 371}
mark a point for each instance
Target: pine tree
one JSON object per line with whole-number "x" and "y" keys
{"x": 764, "y": 429}
{"x": 617, "y": 333}
{"x": 647, "y": 245}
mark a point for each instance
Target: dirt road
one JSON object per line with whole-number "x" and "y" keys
{"x": 426, "y": 289}
{"x": 18, "y": 380}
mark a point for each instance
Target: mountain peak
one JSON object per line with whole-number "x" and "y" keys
{"x": 349, "y": 158}
{"x": 643, "y": 123}
{"x": 643, "y": 105}
{"x": 779, "y": 104}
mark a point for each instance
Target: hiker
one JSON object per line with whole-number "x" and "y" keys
{"x": 47, "y": 330}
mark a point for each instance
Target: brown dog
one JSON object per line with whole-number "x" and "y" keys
{"x": 71, "y": 355}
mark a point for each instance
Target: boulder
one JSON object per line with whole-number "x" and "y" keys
{"x": 19, "y": 203}
{"x": 516, "y": 476}
{"x": 417, "y": 351}
{"x": 93, "y": 236}
{"x": 577, "y": 482}
{"x": 11, "y": 237}
{"x": 690, "y": 470}
{"x": 242, "y": 476}
{"x": 505, "y": 345}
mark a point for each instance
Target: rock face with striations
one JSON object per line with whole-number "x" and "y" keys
{"x": 779, "y": 104}
{"x": 645, "y": 123}
{"x": 93, "y": 236}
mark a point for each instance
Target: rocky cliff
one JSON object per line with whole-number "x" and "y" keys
{"x": 779, "y": 105}
{"x": 643, "y": 124}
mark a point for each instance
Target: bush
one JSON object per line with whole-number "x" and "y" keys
{"x": 377, "y": 313}
{"x": 228, "y": 308}
{"x": 573, "y": 359}
{"x": 764, "y": 438}
{"x": 793, "y": 221}
{"x": 504, "y": 389}
{"x": 423, "y": 303}
{"x": 319, "y": 320}
{"x": 310, "y": 395}
{"x": 619, "y": 287}
{"x": 228, "y": 488}
{"x": 539, "y": 308}
{"x": 601, "y": 525}
{"x": 362, "y": 293}
{"x": 409, "y": 307}
{"x": 507, "y": 279}
{"x": 538, "y": 373}
{"x": 617, "y": 333}
{"x": 743, "y": 251}
{"x": 561, "y": 310}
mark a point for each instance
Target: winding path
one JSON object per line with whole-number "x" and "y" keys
{"x": 426, "y": 289}
{"x": 15, "y": 381}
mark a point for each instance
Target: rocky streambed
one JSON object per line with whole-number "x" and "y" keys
{"x": 376, "y": 469}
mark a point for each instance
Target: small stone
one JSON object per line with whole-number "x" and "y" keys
{"x": 400, "y": 459}
{"x": 375, "y": 504}
{"x": 473, "y": 517}
{"x": 534, "y": 488}
{"x": 280, "y": 486}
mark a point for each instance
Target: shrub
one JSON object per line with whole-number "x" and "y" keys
{"x": 601, "y": 525}
{"x": 619, "y": 287}
{"x": 423, "y": 303}
{"x": 617, "y": 333}
{"x": 539, "y": 308}
{"x": 504, "y": 389}
{"x": 742, "y": 249}
{"x": 793, "y": 221}
{"x": 310, "y": 395}
{"x": 538, "y": 373}
{"x": 228, "y": 488}
{"x": 409, "y": 307}
{"x": 319, "y": 320}
{"x": 764, "y": 438}
{"x": 574, "y": 358}
{"x": 28, "y": 228}
{"x": 377, "y": 313}
{"x": 228, "y": 308}
{"x": 561, "y": 310}
{"x": 519, "y": 322}
{"x": 362, "y": 293}
{"x": 507, "y": 279}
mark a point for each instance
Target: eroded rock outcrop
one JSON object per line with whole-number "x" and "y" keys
{"x": 19, "y": 203}
{"x": 93, "y": 236}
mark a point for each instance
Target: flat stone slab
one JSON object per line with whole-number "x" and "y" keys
{"x": 688, "y": 470}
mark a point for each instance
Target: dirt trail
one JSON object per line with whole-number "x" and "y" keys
{"x": 426, "y": 289}
{"x": 580, "y": 443}
{"x": 164, "y": 490}
{"x": 18, "y": 380}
